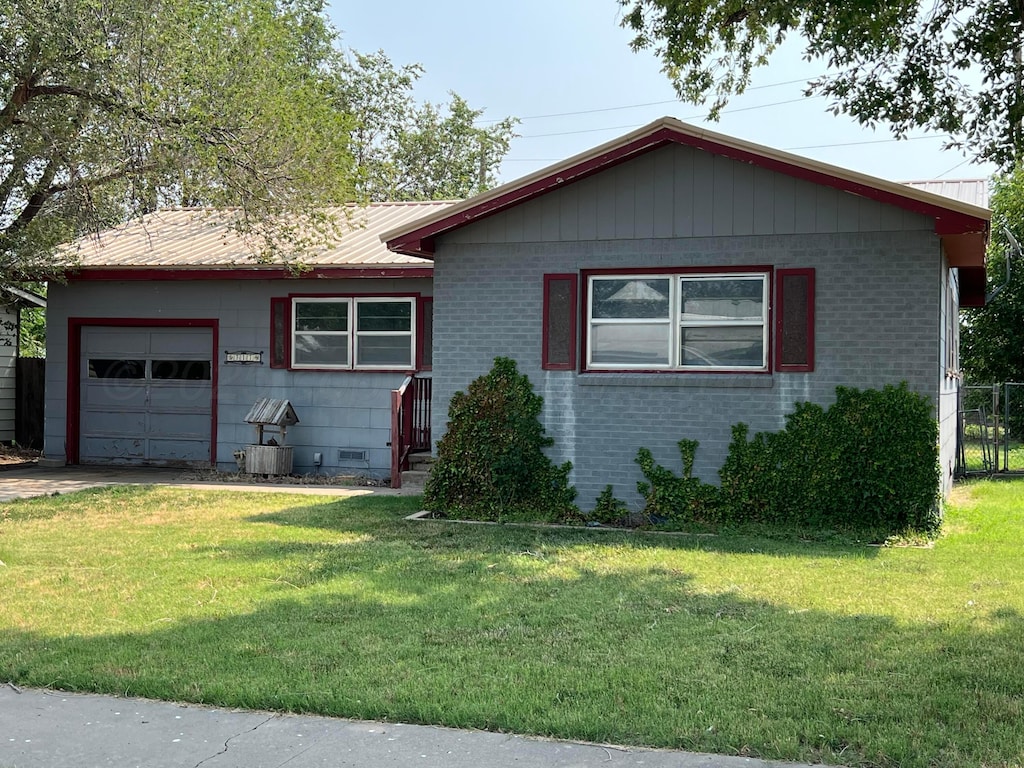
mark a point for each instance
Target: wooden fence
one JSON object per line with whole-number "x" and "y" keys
{"x": 29, "y": 393}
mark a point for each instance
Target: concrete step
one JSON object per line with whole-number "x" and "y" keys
{"x": 421, "y": 462}
{"x": 414, "y": 478}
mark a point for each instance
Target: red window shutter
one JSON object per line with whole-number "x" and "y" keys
{"x": 794, "y": 320}
{"x": 559, "y": 341}
{"x": 426, "y": 334}
{"x": 280, "y": 332}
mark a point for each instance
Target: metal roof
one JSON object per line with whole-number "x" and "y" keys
{"x": 202, "y": 238}
{"x": 973, "y": 191}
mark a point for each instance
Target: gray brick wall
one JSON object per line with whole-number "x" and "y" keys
{"x": 877, "y": 322}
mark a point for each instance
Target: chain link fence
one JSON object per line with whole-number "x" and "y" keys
{"x": 991, "y": 428}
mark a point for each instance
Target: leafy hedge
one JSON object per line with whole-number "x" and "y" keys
{"x": 870, "y": 461}
{"x": 491, "y": 463}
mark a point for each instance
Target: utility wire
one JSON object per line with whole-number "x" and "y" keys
{"x": 688, "y": 117}
{"x": 635, "y": 106}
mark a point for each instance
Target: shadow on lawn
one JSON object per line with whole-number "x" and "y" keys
{"x": 469, "y": 626}
{"x": 660, "y": 665}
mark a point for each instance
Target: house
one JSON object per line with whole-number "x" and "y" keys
{"x": 12, "y": 300}
{"x": 166, "y": 332}
{"x": 675, "y": 281}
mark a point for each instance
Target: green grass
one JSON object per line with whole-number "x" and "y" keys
{"x": 818, "y": 651}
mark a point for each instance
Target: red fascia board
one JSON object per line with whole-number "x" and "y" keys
{"x": 420, "y": 242}
{"x": 276, "y": 273}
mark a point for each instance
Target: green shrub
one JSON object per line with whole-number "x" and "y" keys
{"x": 610, "y": 510}
{"x": 491, "y": 463}
{"x": 870, "y": 461}
{"x": 685, "y": 498}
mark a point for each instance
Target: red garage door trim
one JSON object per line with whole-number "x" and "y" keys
{"x": 75, "y": 326}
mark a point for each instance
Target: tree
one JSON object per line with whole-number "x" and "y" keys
{"x": 947, "y": 65}
{"x": 409, "y": 151}
{"x": 110, "y": 108}
{"x": 990, "y": 342}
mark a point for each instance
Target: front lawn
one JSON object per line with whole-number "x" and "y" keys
{"x": 783, "y": 649}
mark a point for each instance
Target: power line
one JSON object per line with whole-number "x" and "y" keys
{"x": 688, "y": 117}
{"x": 636, "y": 106}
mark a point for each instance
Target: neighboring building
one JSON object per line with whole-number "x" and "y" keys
{"x": 167, "y": 332}
{"x": 12, "y": 300}
{"x": 675, "y": 281}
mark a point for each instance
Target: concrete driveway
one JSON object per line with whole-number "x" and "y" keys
{"x": 27, "y": 482}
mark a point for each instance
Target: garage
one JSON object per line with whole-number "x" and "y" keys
{"x": 146, "y": 395}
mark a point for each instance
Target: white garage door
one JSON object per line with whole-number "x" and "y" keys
{"x": 146, "y": 396}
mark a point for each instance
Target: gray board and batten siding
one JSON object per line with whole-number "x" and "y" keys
{"x": 344, "y": 415}
{"x": 879, "y": 281}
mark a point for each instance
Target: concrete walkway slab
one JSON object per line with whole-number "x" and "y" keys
{"x": 26, "y": 483}
{"x": 52, "y": 729}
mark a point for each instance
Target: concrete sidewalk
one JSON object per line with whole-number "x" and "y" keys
{"x": 52, "y": 729}
{"x": 27, "y": 482}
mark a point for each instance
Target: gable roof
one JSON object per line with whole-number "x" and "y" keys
{"x": 962, "y": 226}
{"x": 192, "y": 242}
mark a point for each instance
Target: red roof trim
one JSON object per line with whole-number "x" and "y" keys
{"x": 420, "y": 242}
{"x": 248, "y": 273}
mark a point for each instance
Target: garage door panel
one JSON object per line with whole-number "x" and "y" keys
{"x": 125, "y": 423}
{"x": 180, "y": 398}
{"x": 179, "y": 425}
{"x": 114, "y": 342}
{"x": 179, "y": 450}
{"x": 178, "y": 341}
{"x": 107, "y": 448}
{"x": 114, "y": 397}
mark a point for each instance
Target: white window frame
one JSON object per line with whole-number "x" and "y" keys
{"x": 353, "y": 333}
{"x": 676, "y": 322}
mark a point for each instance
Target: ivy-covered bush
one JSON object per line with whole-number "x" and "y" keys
{"x": 869, "y": 461}
{"x": 491, "y": 463}
{"x": 668, "y": 496}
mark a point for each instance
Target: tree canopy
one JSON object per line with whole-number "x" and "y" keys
{"x": 110, "y": 108}
{"x": 990, "y": 344}
{"x": 946, "y": 65}
{"x": 410, "y": 151}
{"x": 113, "y": 108}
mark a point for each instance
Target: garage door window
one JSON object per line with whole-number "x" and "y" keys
{"x": 101, "y": 368}
{"x": 182, "y": 370}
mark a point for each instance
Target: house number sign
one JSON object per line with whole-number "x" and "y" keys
{"x": 243, "y": 358}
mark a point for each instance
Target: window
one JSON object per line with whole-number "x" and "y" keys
{"x": 794, "y": 320}
{"x": 559, "y": 345}
{"x": 353, "y": 333}
{"x": 685, "y": 322}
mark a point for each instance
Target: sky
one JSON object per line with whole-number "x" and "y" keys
{"x": 565, "y": 69}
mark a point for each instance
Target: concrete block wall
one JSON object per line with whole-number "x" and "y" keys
{"x": 876, "y": 323}
{"x": 336, "y": 409}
